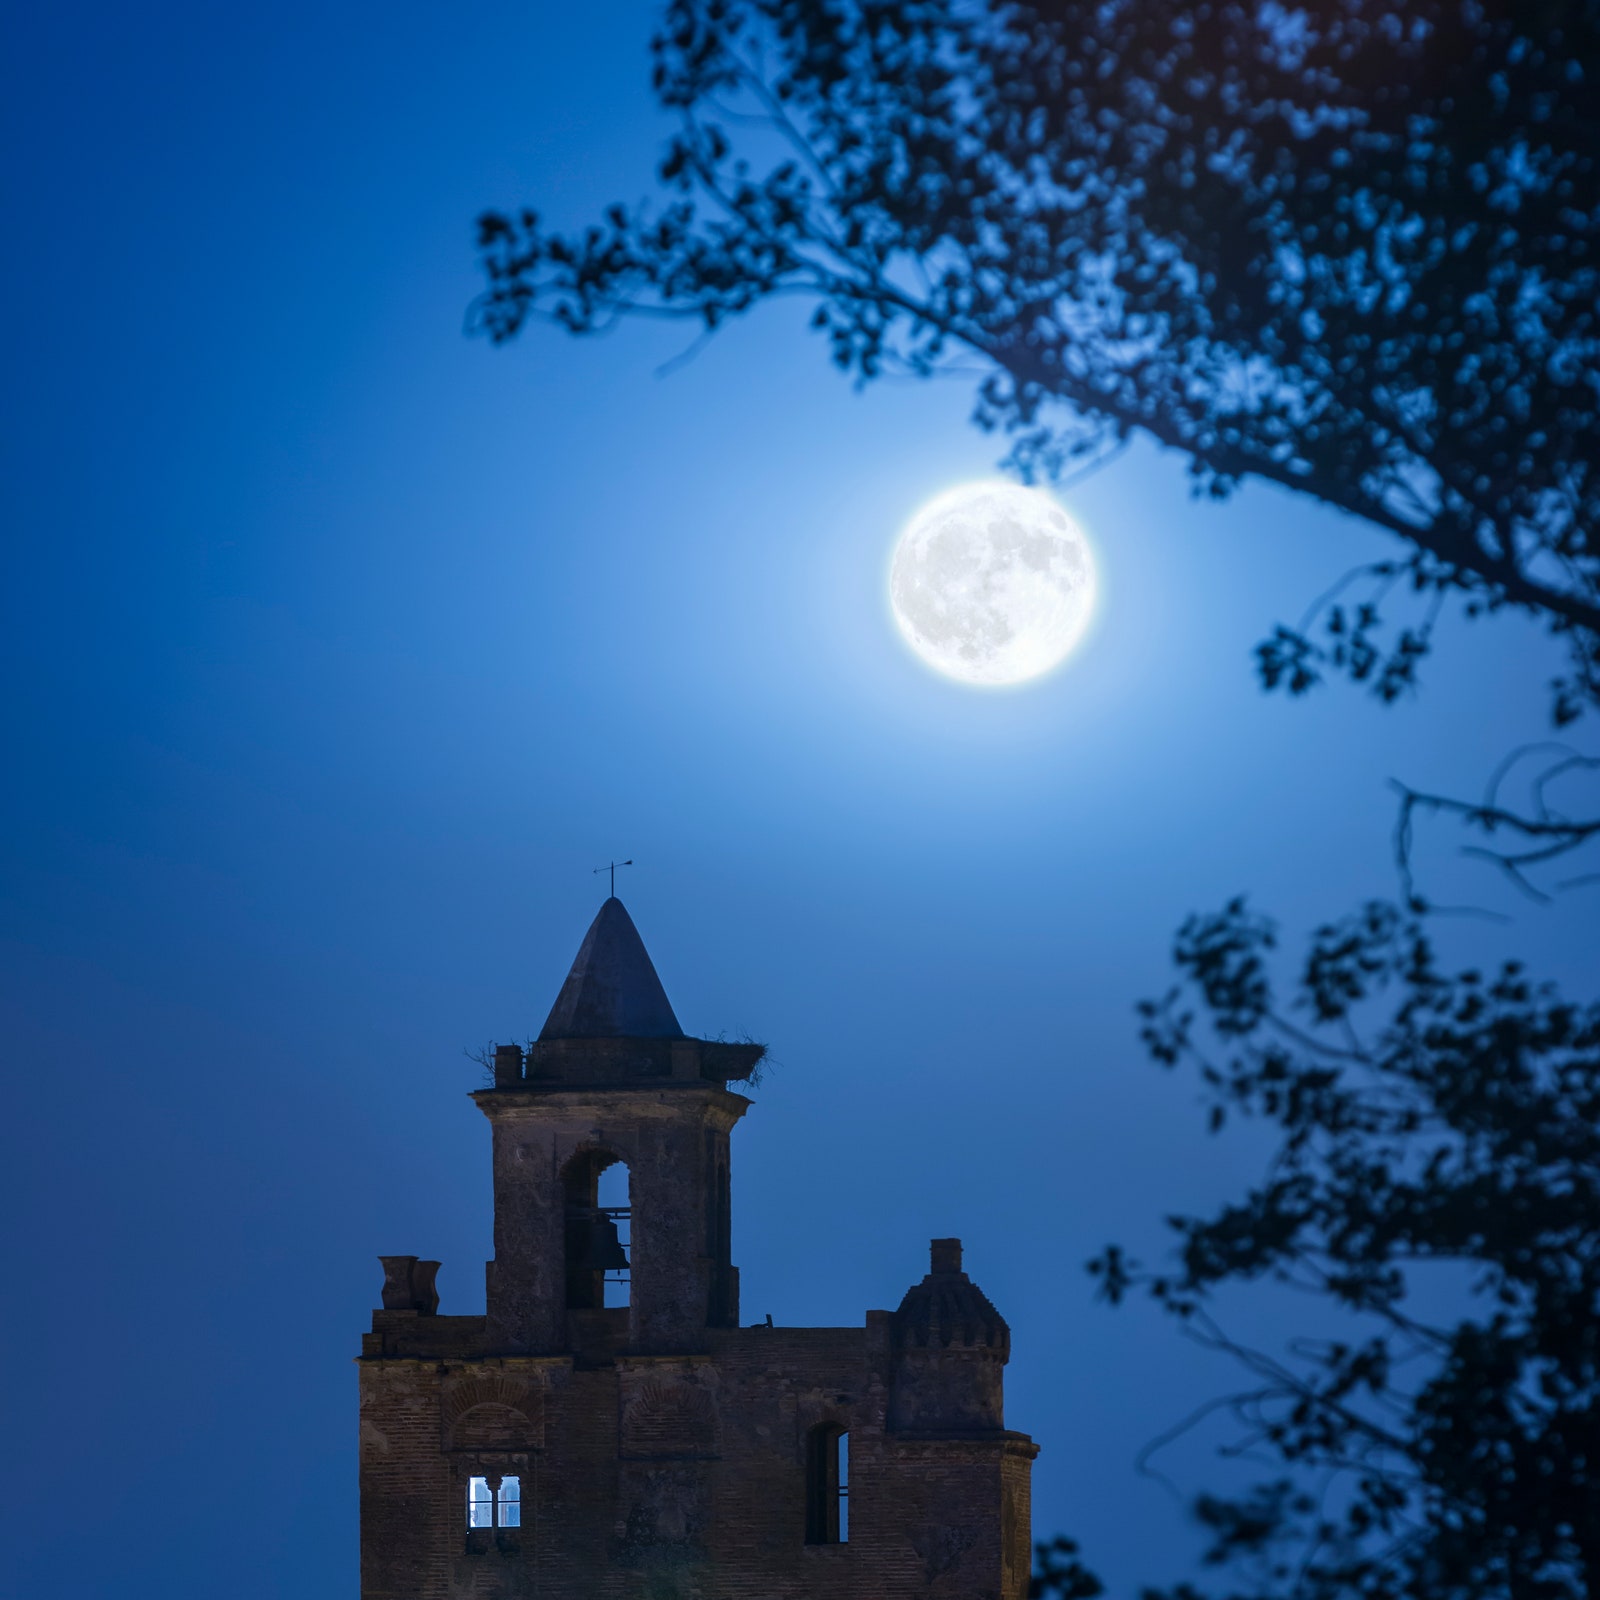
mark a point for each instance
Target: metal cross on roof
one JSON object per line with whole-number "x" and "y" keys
{"x": 611, "y": 867}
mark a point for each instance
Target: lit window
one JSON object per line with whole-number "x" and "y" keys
{"x": 510, "y": 1503}
{"x": 490, "y": 1507}
{"x": 480, "y": 1504}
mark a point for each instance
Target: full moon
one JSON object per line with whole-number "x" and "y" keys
{"x": 992, "y": 583}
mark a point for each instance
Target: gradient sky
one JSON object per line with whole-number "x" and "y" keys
{"x": 338, "y": 648}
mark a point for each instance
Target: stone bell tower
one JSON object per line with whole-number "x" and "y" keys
{"x": 613, "y": 1079}
{"x": 570, "y": 1449}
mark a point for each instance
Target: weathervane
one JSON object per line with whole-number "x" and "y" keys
{"x": 611, "y": 867}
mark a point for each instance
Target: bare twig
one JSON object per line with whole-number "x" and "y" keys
{"x": 1543, "y": 834}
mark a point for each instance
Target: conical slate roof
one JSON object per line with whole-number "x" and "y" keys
{"x": 612, "y": 991}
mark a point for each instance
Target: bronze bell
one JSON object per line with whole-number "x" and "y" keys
{"x": 599, "y": 1245}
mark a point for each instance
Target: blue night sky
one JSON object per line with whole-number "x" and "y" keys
{"x": 338, "y": 648}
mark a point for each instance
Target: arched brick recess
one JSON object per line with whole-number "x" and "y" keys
{"x": 666, "y": 1417}
{"x": 493, "y": 1411}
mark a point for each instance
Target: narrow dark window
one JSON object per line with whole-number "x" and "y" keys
{"x": 827, "y": 1484}
{"x": 721, "y": 1306}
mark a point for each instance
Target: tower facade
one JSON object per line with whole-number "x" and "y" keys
{"x": 607, "y": 1428}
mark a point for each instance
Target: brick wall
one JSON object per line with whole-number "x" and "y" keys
{"x": 673, "y": 1477}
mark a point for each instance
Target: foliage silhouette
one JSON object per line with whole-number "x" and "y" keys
{"x": 1347, "y": 248}
{"x": 1058, "y": 1572}
{"x": 1426, "y": 1127}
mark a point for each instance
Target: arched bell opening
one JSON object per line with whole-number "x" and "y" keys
{"x": 598, "y": 1230}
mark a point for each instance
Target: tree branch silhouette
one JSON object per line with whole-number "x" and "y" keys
{"x": 1542, "y": 833}
{"x": 1457, "y": 1454}
{"x": 1346, "y": 250}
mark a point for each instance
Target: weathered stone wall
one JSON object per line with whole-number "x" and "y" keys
{"x": 674, "y": 1140}
{"x": 673, "y": 1477}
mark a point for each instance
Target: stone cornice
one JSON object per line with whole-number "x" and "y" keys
{"x": 604, "y": 1099}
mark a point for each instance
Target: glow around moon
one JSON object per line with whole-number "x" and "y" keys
{"x": 992, "y": 583}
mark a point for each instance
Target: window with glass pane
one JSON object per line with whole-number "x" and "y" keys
{"x": 510, "y": 1502}
{"x": 827, "y": 1484}
{"x": 480, "y": 1504}
{"x": 842, "y": 1474}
